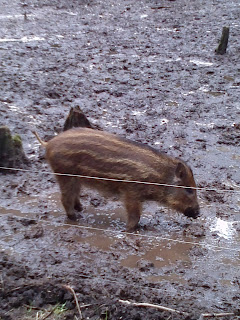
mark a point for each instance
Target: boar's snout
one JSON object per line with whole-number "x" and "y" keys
{"x": 192, "y": 212}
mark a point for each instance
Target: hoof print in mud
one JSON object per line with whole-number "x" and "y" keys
{"x": 34, "y": 233}
{"x": 27, "y": 222}
{"x": 197, "y": 231}
{"x": 144, "y": 265}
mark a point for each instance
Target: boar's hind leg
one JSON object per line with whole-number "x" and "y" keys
{"x": 70, "y": 188}
{"x": 133, "y": 207}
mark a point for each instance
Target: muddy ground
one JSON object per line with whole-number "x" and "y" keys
{"x": 147, "y": 71}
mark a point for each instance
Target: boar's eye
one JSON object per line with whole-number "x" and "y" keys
{"x": 189, "y": 190}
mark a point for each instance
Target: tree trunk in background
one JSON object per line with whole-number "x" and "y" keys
{"x": 222, "y": 47}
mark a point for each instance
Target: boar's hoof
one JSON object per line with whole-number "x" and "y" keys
{"x": 192, "y": 212}
{"x": 78, "y": 206}
{"x": 132, "y": 229}
{"x": 72, "y": 217}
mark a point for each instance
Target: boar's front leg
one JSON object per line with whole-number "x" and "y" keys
{"x": 133, "y": 207}
{"x": 70, "y": 189}
{"x": 77, "y": 204}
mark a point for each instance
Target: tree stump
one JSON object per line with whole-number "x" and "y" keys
{"x": 76, "y": 118}
{"x": 11, "y": 150}
{"x": 222, "y": 47}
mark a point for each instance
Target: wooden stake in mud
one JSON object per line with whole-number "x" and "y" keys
{"x": 222, "y": 47}
{"x": 11, "y": 150}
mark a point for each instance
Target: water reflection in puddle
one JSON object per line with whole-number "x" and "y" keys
{"x": 172, "y": 277}
{"x": 223, "y": 228}
{"x": 14, "y": 108}
{"x": 163, "y": 121}
{"x": 206, "y": 125}
{"x": 168, "y": 29}
{"x": 161, "y": 255}
{"x": 172, "y": 103}
{"x": 15, "y": 16}
{"x": 23, "y": 39}
{"x": 102, "y": 228}
{"x": 138, "y": 113}
{"x": 173, "y": 60}
{"x": 201, "y": 63}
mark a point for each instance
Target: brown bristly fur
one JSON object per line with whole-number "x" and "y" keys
{"x": 96, "y": 153}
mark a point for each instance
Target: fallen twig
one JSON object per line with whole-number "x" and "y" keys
{"x": 85, "y": 305}
{"x": 150, "y": 305}
{"x": 75, "y": 298}
{"x": 33, "y": 308}
{"x": 23, "y": 286}
{"x": 215, "y": 315}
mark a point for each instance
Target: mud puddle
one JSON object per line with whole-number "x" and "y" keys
{"x": 177, "y": 258}
{"x": 103, "y": 229}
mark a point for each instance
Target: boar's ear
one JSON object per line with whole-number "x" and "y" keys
{"x": 180, "y": 171}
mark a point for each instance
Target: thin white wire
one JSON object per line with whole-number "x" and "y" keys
{"x": 120, "y": 282}
{"x": 157, "y": 238}
{"x": 129, "y": 181}
{"x": 145, "y": 236}
{"x": 119, "y": 180}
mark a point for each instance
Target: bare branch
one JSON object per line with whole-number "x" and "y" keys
{"x": 215, "y": 315}
{"x": 149, "y": 305}
{"x": 75, "y": 298}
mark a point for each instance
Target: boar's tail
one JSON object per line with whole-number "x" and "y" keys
{"x": 43, "y": 143}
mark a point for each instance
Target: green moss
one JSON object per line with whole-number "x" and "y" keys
{"x": 17, "y": 141}
{"x": 11, "y": 149}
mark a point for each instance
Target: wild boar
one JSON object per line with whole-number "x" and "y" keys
{"x": 94, "y": 153}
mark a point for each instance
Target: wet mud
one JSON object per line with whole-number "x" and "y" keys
{"x": 147, "y": 71}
